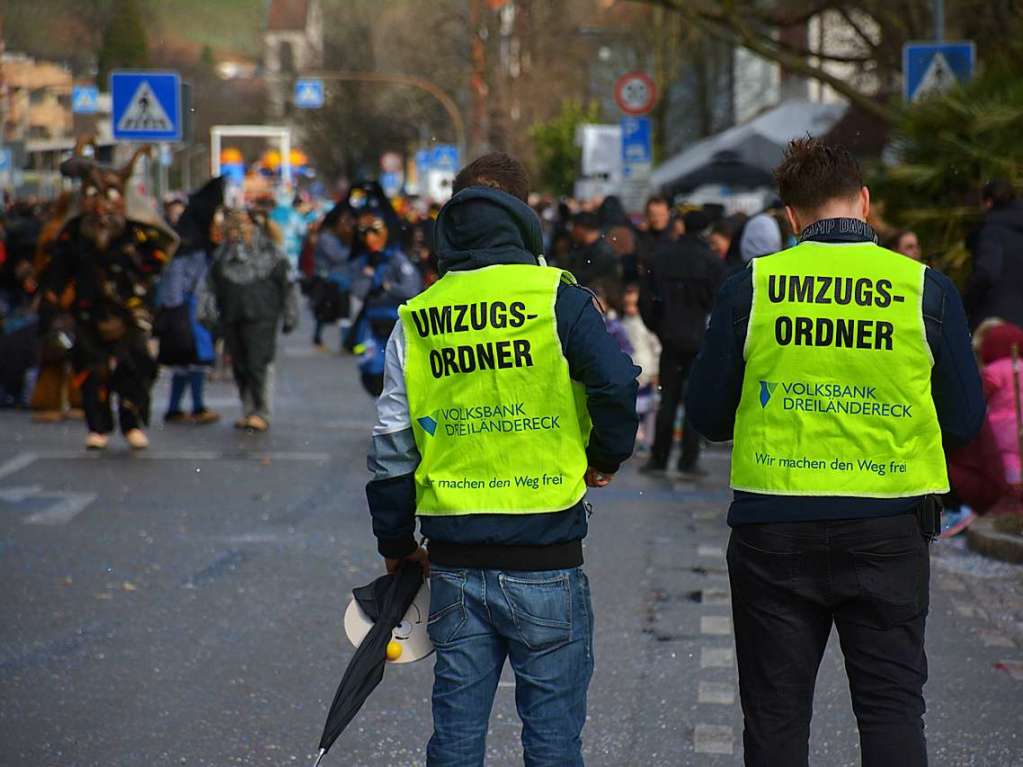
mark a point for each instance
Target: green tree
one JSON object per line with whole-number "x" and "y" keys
{"x": 948, "y": 146}
{"x": 124, "y": 40}
{"x": 558, "y": 158}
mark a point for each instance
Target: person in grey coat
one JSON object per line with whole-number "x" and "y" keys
{"x": 248, "y": 292}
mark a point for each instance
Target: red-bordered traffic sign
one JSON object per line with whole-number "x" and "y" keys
{"x": 635, "y": 93}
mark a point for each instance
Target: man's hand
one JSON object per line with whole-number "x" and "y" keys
{"x": 419, "y": 555}
{"x": 596, "y": 478}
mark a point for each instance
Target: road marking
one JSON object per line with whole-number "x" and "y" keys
{"x": 717, "y": 625}
{"x": 717, "y": 657}
{"x": 24, "y": 460}
{"x": 65, "y": 505}
{"x": 713, "y": 739}
{"x": 707, "y": 550}
{"x": 716, "y": 597}
{"x": 706, "y": 514}
{"x": 19, "y": 494}
{"x": 16, "y": 464}
{"x": 718, "y": 693}
{"x": 66, "y": 509}
{"x": 70, "y": 504}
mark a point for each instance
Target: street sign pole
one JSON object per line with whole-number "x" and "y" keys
{"x": 939, "y": 21}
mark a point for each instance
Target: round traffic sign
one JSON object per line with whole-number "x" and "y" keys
{"x": 635, "y": 93}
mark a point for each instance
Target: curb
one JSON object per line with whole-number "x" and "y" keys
{"x": 982, "y": 537}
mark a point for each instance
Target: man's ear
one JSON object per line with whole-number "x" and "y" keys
{"x": 865, "y": 202}
{"x": 793, "y": 217}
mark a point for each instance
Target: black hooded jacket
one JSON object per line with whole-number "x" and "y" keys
{"x": 482, "y": 227}
{"x": 995, "y": 288}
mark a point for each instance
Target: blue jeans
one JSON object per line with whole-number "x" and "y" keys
{"x": 543, "y": 623}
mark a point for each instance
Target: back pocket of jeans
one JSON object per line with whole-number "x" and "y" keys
{"x": 447, "y": 606}
{"x": 893, "y": 578}
{"x": 541, "y": 608}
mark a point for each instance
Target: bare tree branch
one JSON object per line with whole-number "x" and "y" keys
{"x": 727, "y": 23}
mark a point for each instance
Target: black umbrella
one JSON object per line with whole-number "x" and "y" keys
{"x": 726, "y": 168}
{"x": 385, "y": 602}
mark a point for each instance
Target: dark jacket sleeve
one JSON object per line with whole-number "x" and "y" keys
{"x": 955, "y": 380}
{"x": 608, "y": 374}
{"x": 715, "y": 383}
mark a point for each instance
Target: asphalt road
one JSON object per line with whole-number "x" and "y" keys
{"x": 184, "y": 606}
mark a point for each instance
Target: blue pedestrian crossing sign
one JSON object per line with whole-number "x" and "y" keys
{"x": 84, "y": 99}
{"x": 146, "y": 106}
{"x": 309, "y": 94}
{"x": 444, "y": 157}
{"x": 933, "y": 68}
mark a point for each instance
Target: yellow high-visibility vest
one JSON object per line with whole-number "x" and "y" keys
{"x": 500, "y": 426}
{"x": 836, "y": 397}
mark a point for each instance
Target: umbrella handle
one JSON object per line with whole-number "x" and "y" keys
{"x": 319, "y": 757}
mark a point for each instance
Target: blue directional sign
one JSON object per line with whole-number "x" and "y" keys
{"x": 309, "y": 94}
{"x": 6, "y": 160}
{"x": 636, "y": 145}
{"x": 146, "y": 106}
{"x": 930, "y": 68}
{"x": 84, "y": 99}
{"x": 444, "y": 157}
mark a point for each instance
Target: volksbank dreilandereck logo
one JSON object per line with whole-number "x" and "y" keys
{"x": 830, "y": 398}
{"x": 486, "y": 419}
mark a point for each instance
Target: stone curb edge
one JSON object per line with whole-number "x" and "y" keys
{"x": 982, "y": 537}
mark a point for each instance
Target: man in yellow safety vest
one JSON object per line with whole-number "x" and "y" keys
{"x": 504, "y": 398}
{"x": 839, "y": 368}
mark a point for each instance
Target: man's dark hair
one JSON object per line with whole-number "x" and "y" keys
{"x": 587, "y": 220}
{"x": 813, "y": 173}
{"x": 496, "y": 170}
{"x": 696, "y": 222}
{"x": 656, "y": 199}
{"x": 999, "y": 192}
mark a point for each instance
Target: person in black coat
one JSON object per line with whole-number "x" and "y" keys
{"x": 995, "y": 288}
{"x": 676, "y": 296}
{"x": 592, "y": 260}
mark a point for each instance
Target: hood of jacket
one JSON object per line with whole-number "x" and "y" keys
{"x": 481, "y": 227}
{"x": 1009, "y": 216}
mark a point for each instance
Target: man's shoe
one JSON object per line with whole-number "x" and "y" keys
{"x": 176, "y": 416}
{"x": 242, "y": 423}
{"x": 258, "y": 423}
{"x": 205, "y": 416}
{"x": 96, "y": 441}
{"x": 653, "y": 466}
{"x": 136, "y": 439}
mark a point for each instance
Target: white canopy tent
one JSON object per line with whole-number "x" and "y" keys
{"x": 761, "y": 141}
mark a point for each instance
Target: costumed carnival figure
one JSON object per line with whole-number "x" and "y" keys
{"x": 111, "y": 248}
{"x": 383, "y": 278}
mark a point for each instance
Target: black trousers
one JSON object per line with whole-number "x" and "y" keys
{"x": 673, "y": 371}
{"x": 124, "y": 368}
{"x": 790, "y": 583}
